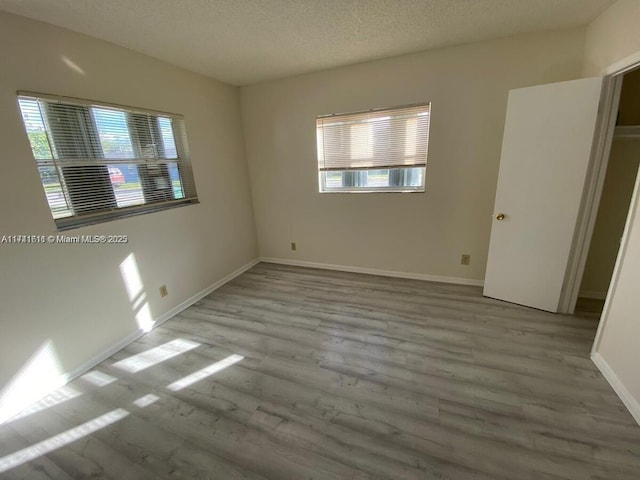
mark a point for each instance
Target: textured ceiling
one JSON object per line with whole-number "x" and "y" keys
{"x": 248, "y": 41}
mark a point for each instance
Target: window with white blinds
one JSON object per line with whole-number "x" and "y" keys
{"x": 377, "y": 150}
{"x": 98, "y": 161}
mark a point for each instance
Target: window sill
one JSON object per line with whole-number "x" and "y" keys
{"x": 70, "y": 223}
{"x": 376, "y": 190}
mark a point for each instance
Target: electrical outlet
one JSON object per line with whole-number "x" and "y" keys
{"x": 465, "y": 259}
{"x": 163, "y": 291}
{"x": 293, "y": 246}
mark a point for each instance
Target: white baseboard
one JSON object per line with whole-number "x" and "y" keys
{"x": 130, "y": 338}
{"x": 133, "y": 336}
{"x": 374, "y": 271}
{"x": 592, "y": 294}
{"x": 102, "y": 356}
{"x": 203, "y": 293}
{"x": 632, "y": 404}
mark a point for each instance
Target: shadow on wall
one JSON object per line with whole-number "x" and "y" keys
{"x": 40, "y": 375}
{"x": 43, "y": 373}
{"x": 136, "y": 292}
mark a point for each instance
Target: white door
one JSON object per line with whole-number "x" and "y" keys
{"x": 546, "y": 147}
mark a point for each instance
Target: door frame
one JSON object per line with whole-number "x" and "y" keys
{"x": 594, "y": 183}
{"x": 603, "y": 139}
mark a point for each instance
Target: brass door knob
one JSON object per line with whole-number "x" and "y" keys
{"x": 500, "y": 216}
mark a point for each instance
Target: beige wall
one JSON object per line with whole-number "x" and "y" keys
{"x": 420, "y": 233}
{"x": 612, "y": 37}
{"x": 73, "y": 295}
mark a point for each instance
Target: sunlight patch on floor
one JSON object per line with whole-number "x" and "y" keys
{"x": 146, "y": 400}
{"x": 155, "y": 355}
{"x": 98, "y": 378}
{"x": 203, "y": 373}
{"x": 59, "y": 396}
{"x": 58, "y": 441}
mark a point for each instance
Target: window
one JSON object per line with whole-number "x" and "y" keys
{"x": 98, "y": 162}
{"x": 378, "y": 150}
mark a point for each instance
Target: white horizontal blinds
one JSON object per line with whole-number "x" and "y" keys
{"x": 96, "y": 158}
{"x": 75, "y": 144}
{"x": 42, "y": 153}
{"x": 377, "y": 139}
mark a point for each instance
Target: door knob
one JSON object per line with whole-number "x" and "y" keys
{"x": 500, "y": 216}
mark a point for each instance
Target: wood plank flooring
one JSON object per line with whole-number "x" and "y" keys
{"x": 295, "y": 373}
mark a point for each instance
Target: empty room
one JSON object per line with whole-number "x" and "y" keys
{"x": 320, "y": 239}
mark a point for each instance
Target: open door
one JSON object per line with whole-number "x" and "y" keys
{"x": 546, "y": 148}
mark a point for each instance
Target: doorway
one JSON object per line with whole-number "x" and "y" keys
{"x": 621, "y": 171}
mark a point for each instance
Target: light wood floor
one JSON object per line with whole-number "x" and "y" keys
{"x": 313, "y": 374}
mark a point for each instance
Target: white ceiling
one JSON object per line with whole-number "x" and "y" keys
{"x": 249, "y": 41}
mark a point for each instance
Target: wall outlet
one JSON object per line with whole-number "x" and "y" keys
{"x": 465, "y": 259}
{"x": 293, "y": 246}
{"x": 163, "y": 291}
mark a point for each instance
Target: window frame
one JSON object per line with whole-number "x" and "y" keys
{"x": 159, "y": 162}
{"x": 355, "y": 189}
{"x": 322, "y": 173}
